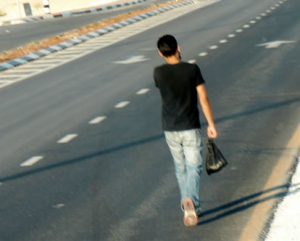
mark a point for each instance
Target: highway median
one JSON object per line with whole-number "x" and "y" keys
{"x": 33, "y": 47}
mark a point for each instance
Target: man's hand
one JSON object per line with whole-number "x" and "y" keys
{"x": 212, "y": 132}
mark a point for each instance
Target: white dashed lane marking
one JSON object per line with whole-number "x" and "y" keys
{"x": 203, "y": 54}
{"x": 122, "y": 104}
{"x": 239, "y": 30}
{"x": 192, "y": 61}
{"x": 59, "y": 205}
{"x": 31, "y": 161}
{"x": 231, "y": 35}
{"x": 213, "y": 47}
{"x": 223, "y": 41}
{"x": 67, "y": 138}
{"x": 142, "y": 91}
{"x": 97, "y": 120}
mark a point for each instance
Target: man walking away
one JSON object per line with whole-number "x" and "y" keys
{"x": 181, "y": 85}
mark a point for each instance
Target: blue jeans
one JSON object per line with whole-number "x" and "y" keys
{"x": 187, "y": 148}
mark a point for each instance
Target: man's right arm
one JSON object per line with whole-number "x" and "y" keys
{"x": 207, "y": 110}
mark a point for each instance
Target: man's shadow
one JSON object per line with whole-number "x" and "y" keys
{"x": 247, "y": 202}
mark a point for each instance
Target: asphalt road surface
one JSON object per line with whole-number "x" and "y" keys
{"x": 115, "y": 179}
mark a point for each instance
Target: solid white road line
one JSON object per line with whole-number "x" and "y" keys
{"x": 122, "y": 104}
{"x": 11, "y": 77}
{"x": 142, "y": 91}
{"x": 97, "y": 120}
{"x": 67, "y": 138}
{"x": 18, "y": 70}
{"x": 31, "y": 161}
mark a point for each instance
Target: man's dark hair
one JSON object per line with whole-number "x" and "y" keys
{"x": 167, "y": 45}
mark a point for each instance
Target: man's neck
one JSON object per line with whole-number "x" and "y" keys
{"x": 173, "y": 60}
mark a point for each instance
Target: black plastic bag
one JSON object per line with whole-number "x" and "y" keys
{"x": 215, "y": 161}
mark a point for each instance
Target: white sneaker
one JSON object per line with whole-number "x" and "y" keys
{"x": 190, "y": 217}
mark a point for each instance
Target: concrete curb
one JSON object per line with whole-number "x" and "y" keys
{"x": 72, "y": 13}
{"x": 55, "y": 48}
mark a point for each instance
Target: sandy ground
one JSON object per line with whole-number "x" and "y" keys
{"x": 14, "y": 9}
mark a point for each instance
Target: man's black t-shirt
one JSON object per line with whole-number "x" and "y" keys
{"x": 177, "y": 84}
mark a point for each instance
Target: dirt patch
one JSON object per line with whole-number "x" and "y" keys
{"x": 74, "y": 34}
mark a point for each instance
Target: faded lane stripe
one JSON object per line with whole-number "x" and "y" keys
{"x": 192, "y": 61}
{"x": 203, "y": 54}
{"x": 143, "y": 91}
{"x": 31, "y": 161}
{"x": 67, "y": 138}
{"x": 97, "y": 120}
{"x": 122, "y": 104}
